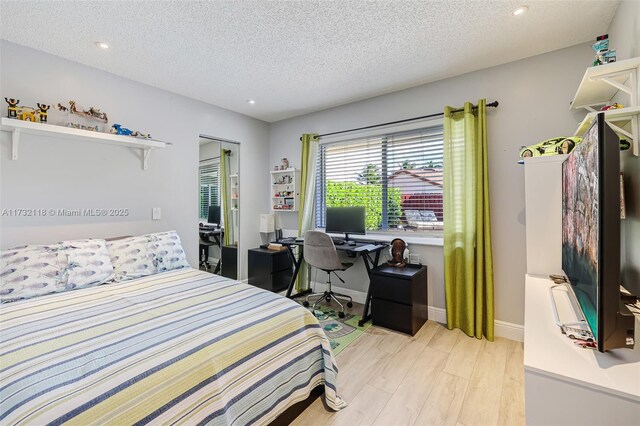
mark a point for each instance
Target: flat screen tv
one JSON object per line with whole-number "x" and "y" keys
{"x": 591, "y": 235}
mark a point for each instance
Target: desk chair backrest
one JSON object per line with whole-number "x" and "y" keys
{"x": 320, "y": 252}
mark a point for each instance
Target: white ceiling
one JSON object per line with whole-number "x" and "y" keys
{"x": 298, "y": 57}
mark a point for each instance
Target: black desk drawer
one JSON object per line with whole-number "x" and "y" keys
{"x": 395, "y": 316}
{"x": 390, "y": 288}
{"x": 280, "y": 262}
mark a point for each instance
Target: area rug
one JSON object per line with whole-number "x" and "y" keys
{"x": 341, "y": 332}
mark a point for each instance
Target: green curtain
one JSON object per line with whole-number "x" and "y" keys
{"x": 468, "y": 259}
{"x": 306, "y": 200}
{"x": 225, "y": 158}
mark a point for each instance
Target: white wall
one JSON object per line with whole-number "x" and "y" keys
{"x": 52, "y": 173}
{"x": 534, "y": 96}
{"x": 624, "y": 36}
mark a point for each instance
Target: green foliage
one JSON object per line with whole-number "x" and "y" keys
{"x": 347, "y": 194}
{"x": 370, "y": 175}
{"x": 407, "y": 165}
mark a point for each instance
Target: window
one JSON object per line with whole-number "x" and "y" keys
{"x": 397, "y": 177}
{"x": 209, "y": 184}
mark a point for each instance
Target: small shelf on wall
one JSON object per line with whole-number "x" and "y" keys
{"x": 602, "y": 85}
{"x": 235, "y": 191}
{"x": 19, "y": 127}
{"x": 285, "y": 190}
{"x": 617, "y": 119}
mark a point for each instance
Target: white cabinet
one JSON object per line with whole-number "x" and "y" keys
{"x": 543, "y": 209}
{"x": 285, "y": 190}
{"x": 569, "y": 385}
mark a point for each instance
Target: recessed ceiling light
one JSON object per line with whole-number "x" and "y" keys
{"x": 251, "y": 102}
{"x": 103, "y": 45}
{"x": 520, "y": 11}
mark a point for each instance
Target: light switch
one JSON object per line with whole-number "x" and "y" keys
{"x": 156, "y": 213}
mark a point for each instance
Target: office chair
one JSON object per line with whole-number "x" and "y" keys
{"x": 320, "y": 252}
{"x": 205, "y": 243}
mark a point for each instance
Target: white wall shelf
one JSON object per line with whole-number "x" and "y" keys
{"x": 285, "y": 190}
{"x": 600, "y": 85}
{"x": 18, "y": 127}
{"x": 617, "y": 119}
{"x": 235, "y": 191}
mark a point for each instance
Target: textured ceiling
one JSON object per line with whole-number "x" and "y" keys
{"x": 297, "y": 57}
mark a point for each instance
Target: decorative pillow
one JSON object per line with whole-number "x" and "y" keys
{"x": 168, "y": 251}
{"x": 132, "y": 257}
{"x": 88, "y": 263}
{"x": 31, "y": 271}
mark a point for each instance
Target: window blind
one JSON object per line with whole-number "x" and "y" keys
{"x": 209, "y": 184}
{"x": 397, "y": 177}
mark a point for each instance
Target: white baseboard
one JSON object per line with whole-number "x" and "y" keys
{"x": 437, "y": 314}
{"x": 504, "y": 329}
{"x": 508, "y": 330}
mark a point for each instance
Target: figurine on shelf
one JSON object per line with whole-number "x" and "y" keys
{"x": 72, "y": 107}
{"x": 92, "y": 112}
{"x": 141, "y": 135}
{"x": 96, "y": 113}
{"x": 285, "y": 164}
{"x": 62, "y": 107}
{"x": 42, "y": 112}
{"x": 117, "y": 129}
{"x": 82, "y": 127}
{"x": 27, "y": 114}
{"x": 603, "y": 54}
{"x": 12, "y": 109}
{"x": 614, "y": 105}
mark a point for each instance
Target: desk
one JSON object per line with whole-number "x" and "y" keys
{"x": 363, "y": 249}
{"x": 217, "y": 233}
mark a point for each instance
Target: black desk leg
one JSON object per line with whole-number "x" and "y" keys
{"x": 365, "y": 313}
{"x": 374, "y": 263}
{"x": 296, "y": 268}
{"x": 217, "y": 270}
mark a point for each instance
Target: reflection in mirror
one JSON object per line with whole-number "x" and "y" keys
{"x": 219, "y": 202}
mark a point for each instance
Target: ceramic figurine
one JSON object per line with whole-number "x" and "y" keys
{"x": 285, "y": 163}
{"x": 62, "y": 107}
{"x": 117, "y": 129}
{"x": 43, "y": 112}
{"x": 12, "y": 109}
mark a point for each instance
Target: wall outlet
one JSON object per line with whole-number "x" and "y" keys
{"x": 156, "y": 213}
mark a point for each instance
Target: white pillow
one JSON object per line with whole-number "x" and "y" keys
{"x": 31, "y": 271}
{"x": 88, "y": 263}
{"x": 132, "y": 257}
{"x": 168, "y": 251}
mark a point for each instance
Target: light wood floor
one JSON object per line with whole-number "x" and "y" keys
{"x": 437, "y": 377}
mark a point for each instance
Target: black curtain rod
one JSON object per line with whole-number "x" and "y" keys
{"x": 493, "y": 104}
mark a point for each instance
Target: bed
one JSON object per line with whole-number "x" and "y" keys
{"x": 177, "y": 347}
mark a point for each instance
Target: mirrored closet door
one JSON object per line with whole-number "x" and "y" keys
{"x": 219, "y": 206}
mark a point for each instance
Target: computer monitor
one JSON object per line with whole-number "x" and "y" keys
{"x": 214, "y": 215}
{"x": 345, "y": 220}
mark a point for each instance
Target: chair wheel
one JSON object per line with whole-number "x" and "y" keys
{"x": 305, "y": 304}
{"x": 349, "y": 305}
{"x": 341, "y": 314}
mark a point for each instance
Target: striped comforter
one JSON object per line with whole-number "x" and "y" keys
{"x": 180, "y": 347}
